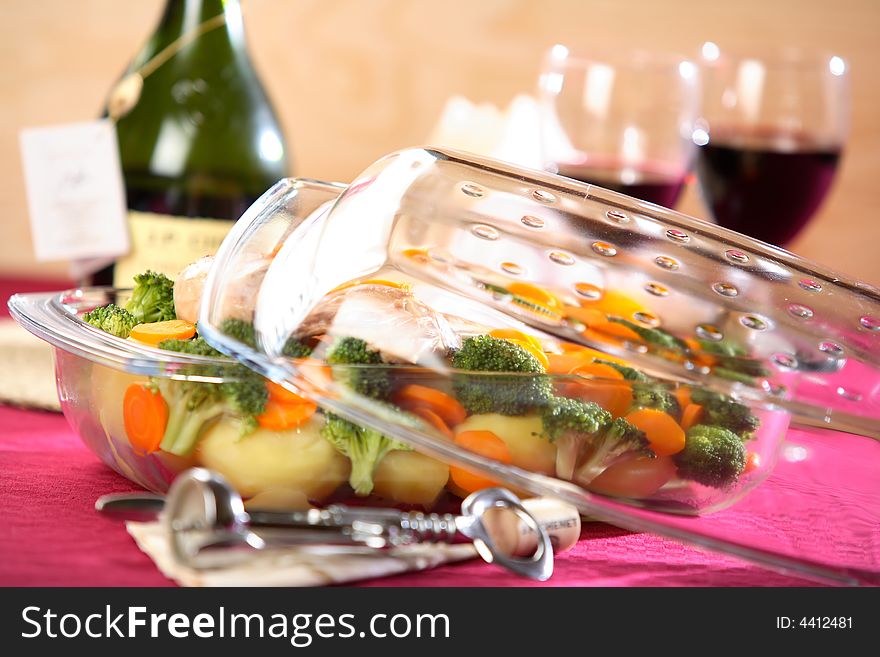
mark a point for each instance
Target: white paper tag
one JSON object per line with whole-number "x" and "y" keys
{"x": 75, "y": 192}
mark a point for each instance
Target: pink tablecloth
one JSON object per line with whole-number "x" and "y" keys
{"x": 50, "y": 534}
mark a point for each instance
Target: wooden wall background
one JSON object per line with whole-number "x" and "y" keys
{"x": 355, "y": 79}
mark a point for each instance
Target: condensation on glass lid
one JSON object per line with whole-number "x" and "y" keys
{"x": 588, "y": 291}
{"x": 665, "y": 262}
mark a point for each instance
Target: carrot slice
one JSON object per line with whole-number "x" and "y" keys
{"x": 617, "y": 330}
{"x": 565, "y": 363}
{"x": 616, "y": 398}
{"x": 281, "y": 394}
{"x": 698, "y": 354}
{"x": 691, "y": 416}
{"x": 753, "y": 462}
{"x": 589, "y": 316}
{"x": 663, "y": 432}
{"x": 683, "y": 395}
{"x": 279, "y": 416}
{"x": 535, "y": 293}
{"x": 486, "y": 444}
{"x": 513, "y": 334}
{"x": 588, "y": 353}
{"x": 145, "y": 415}
{"x": 615, "y": 303}
{"x": 450, "y": 411}
{"x": 597, "y": 371}
{"x": 156, "y": 332}
{"x": 432, "y": 418}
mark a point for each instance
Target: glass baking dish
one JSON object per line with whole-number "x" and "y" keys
{"x": 414, "y": 230}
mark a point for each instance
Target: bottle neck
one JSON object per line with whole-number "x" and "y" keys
{"x": 182, "y": 16}
{"x": 186, "y": 17}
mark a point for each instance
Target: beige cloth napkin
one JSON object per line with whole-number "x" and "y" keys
{"x": 27, "y": 370}
{"x": 311, "y": 565}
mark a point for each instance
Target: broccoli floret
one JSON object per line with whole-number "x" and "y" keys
{"x": 620, "y": 439}
{"x": 152, "y": 299}
{"x": 654, "y": 336}
{"x": 295, "y": 348}
{"x": 725, "y": 412}
{"x": 369, "y": 381}
{"x": 712, "y": 456}
{"x": 732, "y": 361}
{"x": 365, "y": 448}
{"x": 653, "y": 395}
{"x": 240, "y": 330}
{"x": 569, "y": 423}
{"x": 628, "y": 373}
{"x": 112, "y": 319}
{"x": 508, "y": 395}
{"x": 196, "y": 346}
{"x": 733, "y": 375}
{"x": 194, "y": 405}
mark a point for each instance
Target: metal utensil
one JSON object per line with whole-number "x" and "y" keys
{"x": 209, "y": 526}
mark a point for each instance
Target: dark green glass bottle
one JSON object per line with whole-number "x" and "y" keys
{"x": 200, "y": 143}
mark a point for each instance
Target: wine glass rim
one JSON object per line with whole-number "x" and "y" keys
{"x": 562, "y": 56}
{"x": 794, "y": 57}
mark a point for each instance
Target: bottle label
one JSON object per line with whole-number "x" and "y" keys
{"x": 166, "y": 244}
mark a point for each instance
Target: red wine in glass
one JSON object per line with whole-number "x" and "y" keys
{"x": 766, "y": 185}
{"x": 644, "y": 183}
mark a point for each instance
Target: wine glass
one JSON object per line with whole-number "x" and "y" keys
{"x": 769, "y": 138}
{"x": 620, "y": 121}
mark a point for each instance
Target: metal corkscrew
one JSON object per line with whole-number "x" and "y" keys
{"x": 206, "y": 520}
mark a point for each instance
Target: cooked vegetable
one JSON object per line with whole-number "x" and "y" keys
{"x": 713, "y": 456}
{"x": 614, "y": 397}
{"x": 656, "y": 396}
{"x": 294, "y": 348}
{"x": 509, "y": 395}
{"x": 662, "y": 431}
{"x": 621, "y": 439}
{"x": 370, "y": 381}
{"x": 636, "y": 478}
{"x": 195, "y": 405}
{"x": 733, "y": 361}
{"x": 432, "y": 419}
{"x": 654, "y": 336}
{"x": 280, "y": 393}
{"x": 172, "y": 329}
{"x": 628, "y": 373}
{"x": 410, "y": 478}
{"x": 446, "y": 407}
{"x": 726, "y": 412}
{"x": 484, "y": 443}
{"x": 514, "y": 334}
{"x": 280, "y": 415}
{"x": 364, "y": 447}
{"x": 691, "y": 415}
{"x": 523, "y": 436}
{"x": 298, "y": 459}
{"x": 240, "y": 330}
{"x": 152, "y": 299}
{"x": 111, "y": 319}
{"x": 570, "y": 423}
{"x": 145, "y": 415}
{"x": 197, "y": 347}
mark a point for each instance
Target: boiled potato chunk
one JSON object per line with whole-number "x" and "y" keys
{"x": 410, "y": 478}
{"x": 299, "y": 459}
{"x": 522, "y": 435}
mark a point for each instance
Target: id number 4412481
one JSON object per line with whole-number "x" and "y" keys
{"x": 814, "y": 623}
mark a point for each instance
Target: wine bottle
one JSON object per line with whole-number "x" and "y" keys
{"x": 198, "y": 138}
